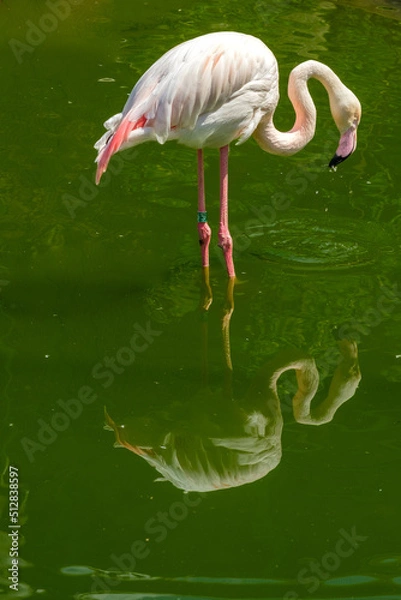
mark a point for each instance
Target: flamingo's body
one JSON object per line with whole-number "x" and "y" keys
{"x": 217, "y": 88}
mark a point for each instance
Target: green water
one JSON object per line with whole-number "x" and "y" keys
{"x": 100, "y": 301}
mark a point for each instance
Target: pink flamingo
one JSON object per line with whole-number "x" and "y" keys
{"x": 217, "y": 88}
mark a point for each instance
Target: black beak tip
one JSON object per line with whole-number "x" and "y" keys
{"x": 337, "y": 159}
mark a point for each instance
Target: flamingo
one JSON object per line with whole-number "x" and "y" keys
{"x": 217, "y": 88}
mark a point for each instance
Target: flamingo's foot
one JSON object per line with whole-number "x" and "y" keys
{"x": 226, "y": 244}
{"x": 205, "y": 233}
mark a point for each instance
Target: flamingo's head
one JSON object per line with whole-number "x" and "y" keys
{"x": 346, "y": 110}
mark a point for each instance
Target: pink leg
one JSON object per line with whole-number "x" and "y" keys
{"x": 225, "y": 239}
{"x": 204, "y": 230}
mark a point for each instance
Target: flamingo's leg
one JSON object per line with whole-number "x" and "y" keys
{"x": 205, "y": 234}
{"x": 204, "y": 230}
{"x": 225, "y": 239}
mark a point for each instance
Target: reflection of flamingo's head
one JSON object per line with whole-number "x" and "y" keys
{"x": 193, "y": 462}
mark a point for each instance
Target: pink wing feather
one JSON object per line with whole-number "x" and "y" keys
{"x": 114, "y": 143}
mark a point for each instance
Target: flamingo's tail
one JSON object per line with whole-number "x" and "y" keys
{"x": 118, "y": 131}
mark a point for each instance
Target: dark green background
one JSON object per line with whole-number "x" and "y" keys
{"x": 81, "y": 266}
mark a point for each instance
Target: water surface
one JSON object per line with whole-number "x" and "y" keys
{"x": 101, "y": 291}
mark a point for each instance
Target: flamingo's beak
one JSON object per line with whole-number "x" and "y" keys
{"x": 345, "y": 148}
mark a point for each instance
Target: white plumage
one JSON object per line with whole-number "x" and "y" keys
{"x": 206, "y": 92}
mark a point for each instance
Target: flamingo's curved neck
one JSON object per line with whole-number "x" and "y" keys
{"x": 274, "y": 141}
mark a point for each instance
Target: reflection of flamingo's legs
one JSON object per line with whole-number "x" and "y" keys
{"x": 206, "y": 301}
{"x": 207, "y": 296}
{"x": 225, "y": 329}
{"x": 228, "y": 311}
{"x": 205, "y": 337}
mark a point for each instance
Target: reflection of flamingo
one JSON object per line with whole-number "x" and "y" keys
{"x": 215, "y": 441}
{"x": 218, "y": 442}
{"x": 218, "y": 88}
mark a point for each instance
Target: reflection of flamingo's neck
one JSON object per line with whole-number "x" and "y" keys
{"x": 306, "y": 373}
{"x": 343, "y": 385}
{"x": 264, "y": 385}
